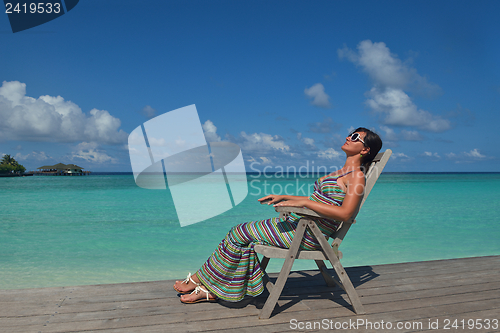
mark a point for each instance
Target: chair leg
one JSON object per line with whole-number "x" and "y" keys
{"x": 339, "y": 269}
{"x": 330, "y": 282}
{"x": 285, "y": 271}
{"x": 263, "y": 266}
{"x": 349, "y": 289}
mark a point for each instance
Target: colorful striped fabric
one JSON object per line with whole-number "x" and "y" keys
{"x": 326, "y": 191}
{"x": 233, "y": 270}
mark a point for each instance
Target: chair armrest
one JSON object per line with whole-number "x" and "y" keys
{"x": 299, "y": 210}
{"x": 306, "y": 212}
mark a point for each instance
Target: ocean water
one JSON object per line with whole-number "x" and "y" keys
{"x": 62, "y": 231}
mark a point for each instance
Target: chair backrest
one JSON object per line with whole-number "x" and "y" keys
{"x": 374, "y": 171}
{"x": 371, "y": 176}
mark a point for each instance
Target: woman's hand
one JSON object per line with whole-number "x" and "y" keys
{"x": 271, "y": 199}
{"x": 299, "y": 202}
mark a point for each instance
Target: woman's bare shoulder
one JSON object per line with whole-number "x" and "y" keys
{"x": 356, "y": 177}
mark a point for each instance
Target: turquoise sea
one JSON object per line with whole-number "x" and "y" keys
{"x": 61, "y": 231}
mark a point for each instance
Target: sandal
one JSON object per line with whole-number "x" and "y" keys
{"x": 196, "y": 291}
{"x": 186, "y": 281}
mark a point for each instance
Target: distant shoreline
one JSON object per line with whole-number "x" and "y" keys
{"x": 94, "y": 173}
{"x": 270, "y": 174}
{"x": 15, "y": 175}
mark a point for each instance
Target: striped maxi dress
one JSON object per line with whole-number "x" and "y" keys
{"x": 233, "y": 270}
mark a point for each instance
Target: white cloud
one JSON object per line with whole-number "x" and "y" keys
{"x": 390, "y": 135}
{"x": 179, "y": 141}
{"x": 468, "y": 157}
{"x": 385, "y": 69}
{"x": 329, "y": 154}
{"x": 326, "y": 126}
{"x": 430, "y": 154}
{"x": 401, "y": 157}
{"x": 210, "y": 131}
{"x": 411, "y": 135}
{"x": 451, "y": 155}
{"x": 90, "y": 152}
{"x": 475, "y": 154}
{"x": 149, "y": 112}
{"x": 265, "y": 160}
{"x": 396, "y": 155}
{"x": 399, "y": 110}
{"x": 390, "y": 77}
{"x": 34, "y": 155}
{"x": 318, "y": 96}
{"x": 263, "y": 142}
{"x": 308, "y": 141}
{"x": 49, "y": 118}
{"x": 159, "y": 142}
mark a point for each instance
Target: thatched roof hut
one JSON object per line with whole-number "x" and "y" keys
{"x": 62, "y": 167}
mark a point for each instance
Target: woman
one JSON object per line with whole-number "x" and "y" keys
{"x": 233, "y": 270}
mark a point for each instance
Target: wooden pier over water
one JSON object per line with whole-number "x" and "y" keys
{"x": 59, "y": 173}
{"x": 416, "y": 295}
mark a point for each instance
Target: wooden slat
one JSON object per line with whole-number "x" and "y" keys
{"x": 419, "y": 292}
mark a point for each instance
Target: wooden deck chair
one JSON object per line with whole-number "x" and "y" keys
{"x": 330, "y": 253}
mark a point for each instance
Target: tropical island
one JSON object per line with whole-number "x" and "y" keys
{"x": 9, "y": 167}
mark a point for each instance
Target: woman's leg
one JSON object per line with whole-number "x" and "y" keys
{"x": 187, "y": 285}
{"x": 192, "y": 297}
{"x": 233, "y": 270}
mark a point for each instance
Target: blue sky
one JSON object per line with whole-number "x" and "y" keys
{"x": 285, "y": 80}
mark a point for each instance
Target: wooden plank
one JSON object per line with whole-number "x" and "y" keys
{"x": 207, "y": 315}
{"x": 7, "y": 322}
{"x": 174, "y": 299}
{"x": 379, "y": 281}
{"x": 372, "y": 276}
{"x": 135, "y": 287}
{"x": 184, "y": 316}
{"x": 416, "y": 268}
{"x": 217, "y": 324}
{"x": 483, "y": 263}
{"x": 405, "y": 292}
{"x": 479, "y": 323}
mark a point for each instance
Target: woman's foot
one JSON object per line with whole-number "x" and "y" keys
{"x": 187, "y": 285}
{"x": 199, "y": 294}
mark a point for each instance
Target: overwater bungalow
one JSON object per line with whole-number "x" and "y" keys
{"x": 61, "y": 169}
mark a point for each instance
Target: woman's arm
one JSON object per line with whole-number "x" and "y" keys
{"x": 355, "y": 189}
{"x": 274, "y": 198}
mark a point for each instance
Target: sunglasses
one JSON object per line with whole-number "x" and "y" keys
{"x": 356, "y": 137}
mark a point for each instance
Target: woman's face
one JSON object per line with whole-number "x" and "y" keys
{"x": 356, "y": 146}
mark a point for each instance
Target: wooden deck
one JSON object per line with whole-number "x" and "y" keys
{"x": 413, "y": 294}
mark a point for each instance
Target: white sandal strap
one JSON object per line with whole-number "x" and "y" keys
{"x": 186, "y": 281}
{"x": 198, "y": 289}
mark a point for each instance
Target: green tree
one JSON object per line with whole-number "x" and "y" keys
{"x": 5, "y": 168}
{"x": 8, "y": 160}
{"x": 9, "y": 164}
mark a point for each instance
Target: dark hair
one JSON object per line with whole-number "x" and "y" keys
{"x": 372, "y": 141}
